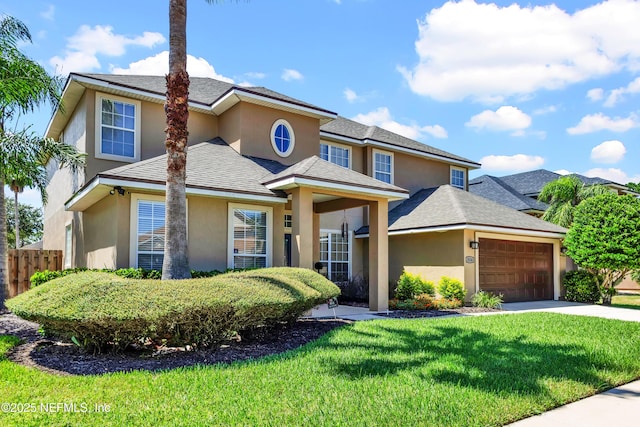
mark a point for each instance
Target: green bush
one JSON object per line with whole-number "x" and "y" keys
{"x": 411, "y": 285}
{"x": 450, "y": 289}
{"x": 487, "y": 300}
{"x": 581, "y": 286}
{"x": 102, "y": 310}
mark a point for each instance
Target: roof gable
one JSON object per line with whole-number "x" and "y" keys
{"x": 493, "y": 188}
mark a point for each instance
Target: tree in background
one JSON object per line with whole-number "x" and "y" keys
{"x": 605, "y": 239}
{"x": 635, "y": 186}
{"x": 24, "y": 86}
{"x": 563, "y": 195}
{"x": 30, "y": 223}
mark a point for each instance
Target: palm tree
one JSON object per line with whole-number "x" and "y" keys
{"x": 563, "y": 195}
{"x": 24, "y": 85}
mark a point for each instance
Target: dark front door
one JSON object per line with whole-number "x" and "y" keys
{"x": 520, "y": 271}
{"x": 287, "y": 250}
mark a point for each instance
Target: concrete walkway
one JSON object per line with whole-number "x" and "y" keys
{"x": 619, "y": 407}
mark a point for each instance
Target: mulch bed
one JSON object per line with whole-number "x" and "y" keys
{"x": 415, "y": 314}
{"x": 67, "y": 359}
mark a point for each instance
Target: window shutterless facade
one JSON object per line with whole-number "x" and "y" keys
{"x": 282, "y": 138}
{"x": 150, "y": 235}
{"x": 250, "y": 236}
{"x": 340, "y": 155}
{"x": 335, "y": 253}
{"x": 68, "y": 245}
{"x": 117, "y": 128}
{"x": 458, "y": 177}
{"x": 383, "y": 166}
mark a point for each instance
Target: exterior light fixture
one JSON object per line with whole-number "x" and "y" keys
{"x": 474, "y": 244}
{"x": 563, "y": 250}
{"x": 117, "y": 189}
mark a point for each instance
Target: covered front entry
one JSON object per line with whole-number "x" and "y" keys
{"x": 520, "y": 271}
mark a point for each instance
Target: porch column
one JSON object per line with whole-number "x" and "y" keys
{"x": 316, "y": 237}
{"x": 378, "y": 256}
{"x": 302, "y": 228}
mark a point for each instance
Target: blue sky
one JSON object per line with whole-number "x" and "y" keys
{"x": 515, "y": 86}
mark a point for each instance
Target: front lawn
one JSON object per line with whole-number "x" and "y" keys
{"x": 471, "y": 371}
{"x": 626, "y": 301}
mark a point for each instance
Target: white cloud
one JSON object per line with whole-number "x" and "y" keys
{"x": 517, "y": 162}
{"x": 159, "y": 65}
{"x": 87, "y": 43}
{"x": 49, "y": 13}
{"x": 382, "y": 118}
{"x": 608, "y": 152}
{"x": 290, "y": 74}
{"x": 612, "y": 174}
{"x": 617, "y": 95}
{"x": 595, "y": 94}
{"x": 255, "y": 75}
{"x": 351, "y": 95}
{"x": 488, "y": 52}
{"x": 597, "y": 122}
{"x": 563, "y": 172}
{"x": 505, "y": 118}
{"x": 545, "y": 110}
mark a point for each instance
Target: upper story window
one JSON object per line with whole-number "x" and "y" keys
{"x": 458, "y": 177}
{"x": 383, "y": 166}
{"x": 336, "y": 154}
{"x": 282, "y": 138}
{"x": 117, "y": 128}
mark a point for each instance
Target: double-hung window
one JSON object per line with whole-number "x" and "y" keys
{"x": 335, "y": 254}
{"x": 117, "y": 128}
{"x": 458, "y": 177}
{"x": 383, "y": 166}
{"x": 150, "y": 234}
{"x": 250, "y": 236}
{"x": 336, "y": 154}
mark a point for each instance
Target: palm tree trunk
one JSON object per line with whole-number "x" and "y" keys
{"x": 16, "y": 218}
{"x": 176, "y": 261}
{"x": 4, "y": 280}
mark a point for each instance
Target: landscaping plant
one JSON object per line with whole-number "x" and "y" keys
{"x": 581, "y": 286}
{"x": 411, "y": 285}
{"x": 451, "y": 289}
{"x": 605, "y": 239}
{"x": 487, "y": 300}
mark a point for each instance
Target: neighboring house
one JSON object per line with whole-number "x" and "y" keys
{"x": 274, "y": 181}
{"x": 520, "y": 191}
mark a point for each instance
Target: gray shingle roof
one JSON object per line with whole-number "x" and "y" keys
{"x": 321, "y": 170}
{"x": 530, "y": 183}
{"x": 447, "y": 206}
{"x": 492, "y": 188}
{"x": 212, "y": 165}
{"x": 344, "y": 127}
{"x": 202, "y": 90}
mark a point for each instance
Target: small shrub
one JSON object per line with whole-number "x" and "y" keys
{"x": 450, "y": 289}
{"x": 635, "y": 275}
{"x": 102, "y": 310}
{"x": 411, "y": 285}
{"x": 487, "y": 300}
{"x": 40, "y": 277}
{"x": 356, "y": 289}
{"x": 581, "y": 286}
{"x": 443, "y": 304}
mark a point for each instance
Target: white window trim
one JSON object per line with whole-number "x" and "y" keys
{"x": 292, "y": 137}
{"x": 343, "y": 146}
{"x": 68, "y": 257}
{"x": 373, "y": 163}
{"x": 269, "y": 211}
{"x": 98, "y": 136}
{"x": 463, "y": 170}
{"x": 288, "y": 229}
{"x": 133, "y": 223}
{"x": 349, "y": 243}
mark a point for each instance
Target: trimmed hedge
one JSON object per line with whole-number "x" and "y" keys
{"x": 98, "y": 309}
{"x": 581, "y": 286}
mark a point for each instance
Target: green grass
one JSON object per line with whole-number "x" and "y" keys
{"x": 626, "y": 301}
{"x": 472, "y": 371}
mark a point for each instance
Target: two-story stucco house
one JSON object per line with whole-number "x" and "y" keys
{"x": 274, "y": 181}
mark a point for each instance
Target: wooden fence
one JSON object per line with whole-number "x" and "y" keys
{"x": 24, "y": 262}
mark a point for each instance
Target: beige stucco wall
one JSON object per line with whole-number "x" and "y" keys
{"x": 247, "y": 128}
{"x": 415, "y": 173}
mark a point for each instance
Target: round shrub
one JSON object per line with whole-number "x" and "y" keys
{"x": 101, "y": 309}
{"x": 581, "y": 286}
{"x": 450, "y": 289}
{"x": 411, "y": 285}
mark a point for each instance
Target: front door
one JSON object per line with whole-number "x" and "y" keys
{"x": 287, "y": 250}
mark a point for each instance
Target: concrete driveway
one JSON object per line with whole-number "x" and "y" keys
{"x": 576, "y": 308}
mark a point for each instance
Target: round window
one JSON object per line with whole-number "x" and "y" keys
{"x": 282, "y": 138}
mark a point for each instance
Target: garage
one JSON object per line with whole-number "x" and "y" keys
{"x": 520, "y": 271}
